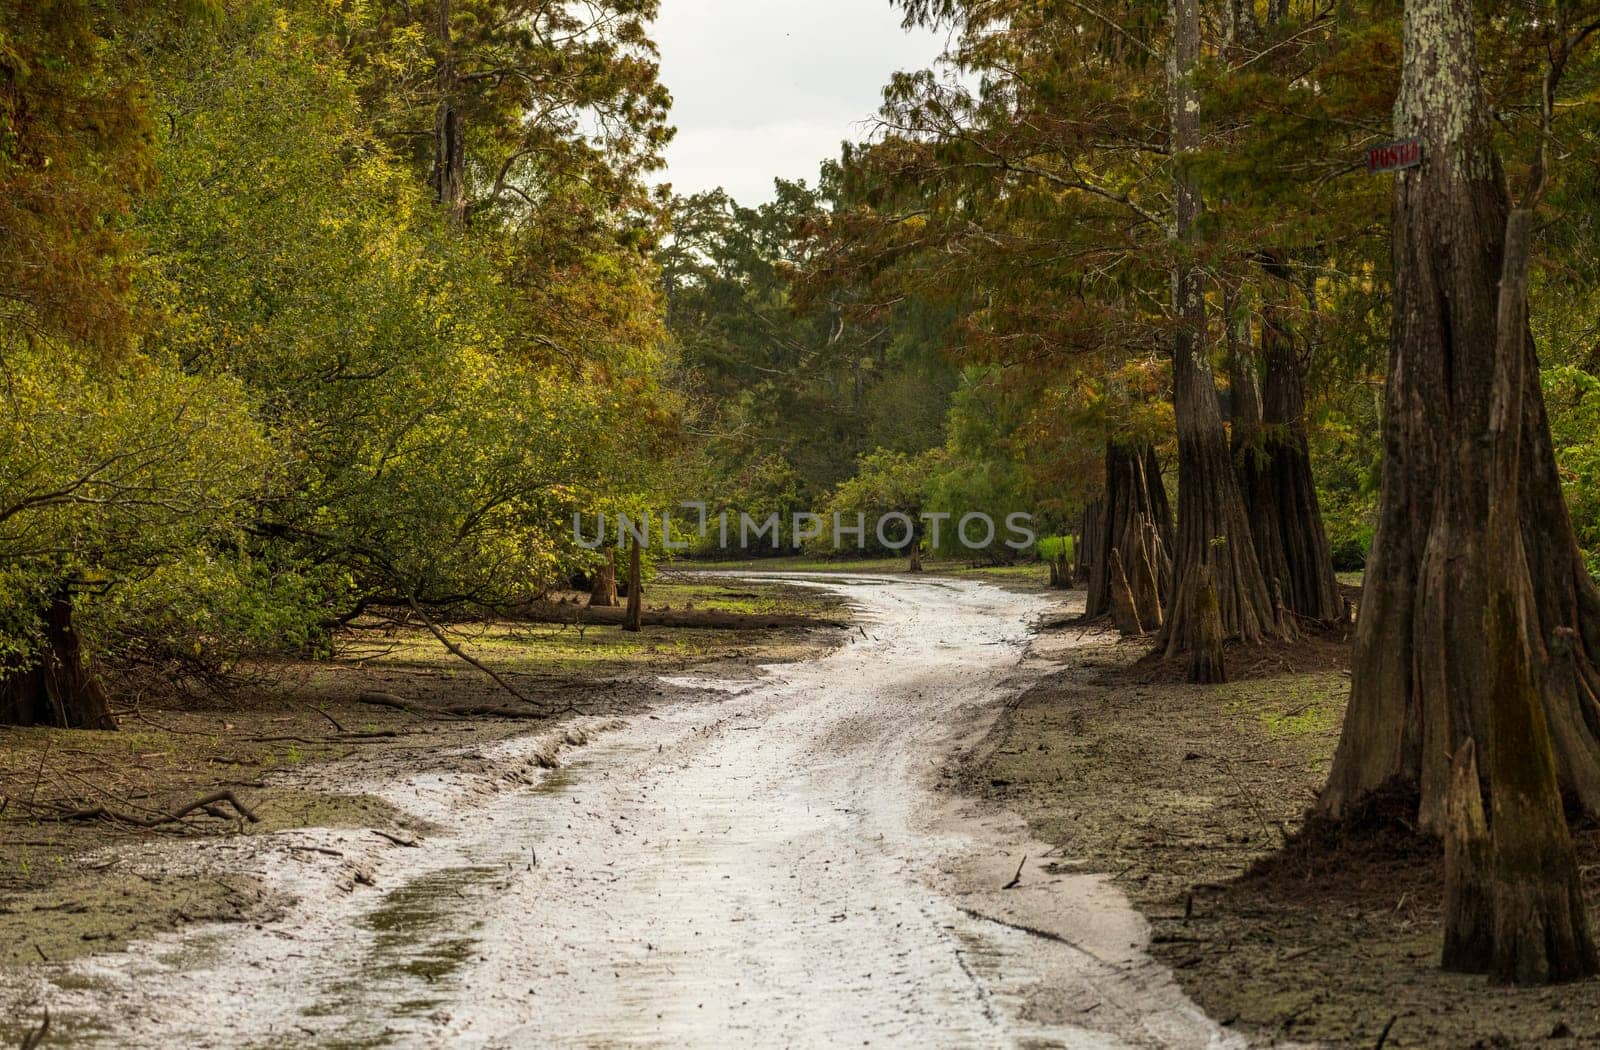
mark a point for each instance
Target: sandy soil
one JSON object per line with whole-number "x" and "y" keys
{"x": 774, "y": 867}
{"x": 71, "y": 889}
{"x": 1186, "y": 796}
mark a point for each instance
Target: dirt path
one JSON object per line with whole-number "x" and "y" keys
{"x": 771, "y": 869}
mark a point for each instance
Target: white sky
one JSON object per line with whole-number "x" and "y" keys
{"x": 769, "y": 88}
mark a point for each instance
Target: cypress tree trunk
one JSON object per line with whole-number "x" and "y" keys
{"x": 1206, "y": 658}
{"x": 1133, "y": 521}
{"x": 1468, "y": 881}
{"x": 58, "y": 690}
{"x": 1213, "y": 529}
{"x": 1289, "y": 513}
{"x": 1541, "y": 925}
{"x": 1091, "y": 551}
{"x": 1250, "y": 441}
{"x": 1421, "y": 673}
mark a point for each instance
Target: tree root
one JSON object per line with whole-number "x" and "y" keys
{"x": 205, "y": 804}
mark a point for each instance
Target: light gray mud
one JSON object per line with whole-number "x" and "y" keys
{"x": 774, "y": 868}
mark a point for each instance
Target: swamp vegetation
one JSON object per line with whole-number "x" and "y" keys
{"x": 322, "y": 325}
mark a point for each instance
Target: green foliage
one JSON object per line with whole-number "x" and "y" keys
{"x": 326, "y": 392}
{"x": 428, "y": 455}
{"x": 1049, "y": 548}
{"x": 108, "y": 475}
{"x": 1573, "y": 397}
{"x": 885, "y": 482}
{"x": 790, "y": 387}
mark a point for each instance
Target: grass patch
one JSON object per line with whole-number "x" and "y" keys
{"x": 1303, "y": 707}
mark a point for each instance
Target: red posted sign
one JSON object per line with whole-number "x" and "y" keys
{"x": 1393, "y": 156}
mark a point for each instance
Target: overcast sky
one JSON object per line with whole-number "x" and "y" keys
{"x": 768, "y": 88}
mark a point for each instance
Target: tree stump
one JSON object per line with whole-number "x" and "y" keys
{"x": 603, "y": 595}
{"x": 1145, "y": 585}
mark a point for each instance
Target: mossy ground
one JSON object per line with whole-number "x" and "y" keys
{"x": 1193, "y": 800}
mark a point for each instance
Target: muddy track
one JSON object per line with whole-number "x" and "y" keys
{"x": 774, "y": 868}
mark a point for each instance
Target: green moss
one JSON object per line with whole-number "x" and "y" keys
{"x": 91, "y": 913}
{"x": 1305, "y": 706}
{"x": 284, "y": 808}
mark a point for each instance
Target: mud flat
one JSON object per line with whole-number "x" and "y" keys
{"x": 765, "y": 860}
{"x": 1186, "y": 797}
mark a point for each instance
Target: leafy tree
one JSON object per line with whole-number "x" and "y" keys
{"x": 431, "y": 458}
{"x": 107, "y": 478}
{"x": 791, "y": 384}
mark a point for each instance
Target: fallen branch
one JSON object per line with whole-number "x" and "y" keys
{"x": 457, "y": 712}
{"x": 496, "y": 711}
{"x": 347, "y": 738}
{"x": 397, "y": 703}
{"x": 444, "y": 640}
{"x": 177, "y": 815}
{"x": 1016, "y": 880}
{"x": 708, "y": 619}
{"x": 396, "y": 839}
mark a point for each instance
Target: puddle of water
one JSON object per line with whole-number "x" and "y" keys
{"x": 417, "y": 946}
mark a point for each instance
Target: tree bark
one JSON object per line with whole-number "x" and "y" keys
{"x": 1124, "y": 605}
{"x": 59, "y": 689}
{"x": 1091, "y": 551}
{"x": 1421, "y": 675}
{"x": 1273, "y": 457}
{"x": 603, "y": 595}
{"x": 1133, "y": 521}
{"x": 1541, "y": 925}
{"x": 1206, "y": 658}
{"x": 450, "y": 140}
{"x": 1213, "y": 529}
{"x": 635, "y": 588}
{"x": 1468, "y": 880}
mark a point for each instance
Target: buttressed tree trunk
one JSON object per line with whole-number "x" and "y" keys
{"x": 1212, "y": 527}
{"x": 1273, "y": 455}
{"x": 1420, "y": 678}
{"x": 1131, "y": 523}
{"x": 1248, "y": 439}
{"x": 1541, "y": 923}
{"x": 58, "y": 690}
